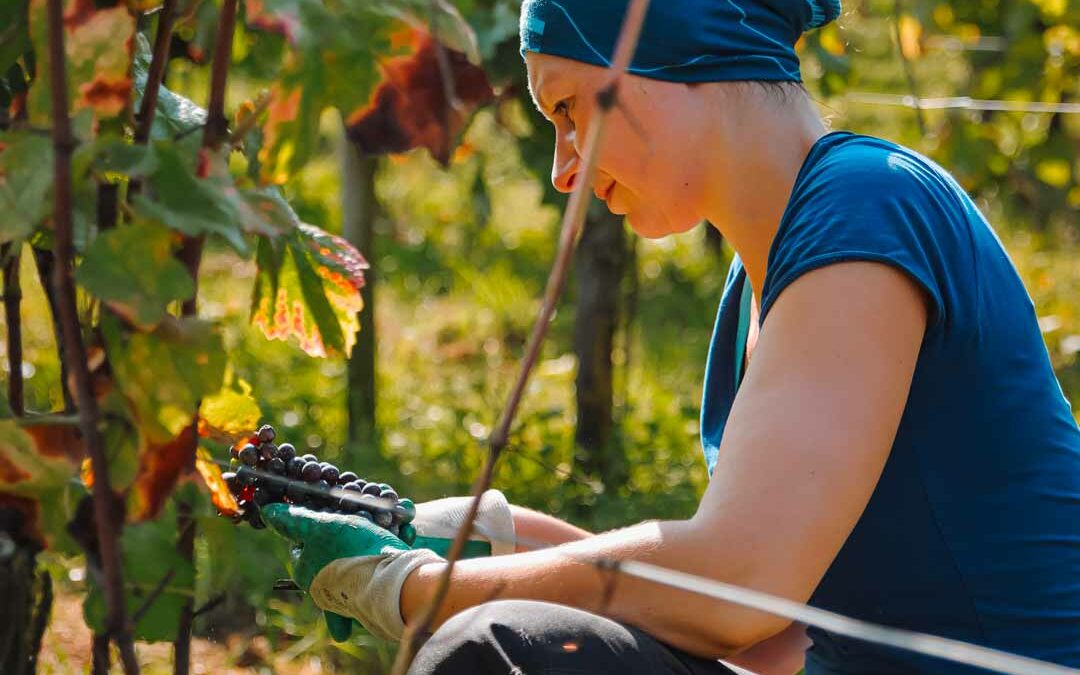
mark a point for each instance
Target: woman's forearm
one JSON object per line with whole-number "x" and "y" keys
{"x": 535, "y": 530}
{"x": 567, "y": 575}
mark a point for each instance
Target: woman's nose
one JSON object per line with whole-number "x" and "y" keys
{"x": 566, "y": 166}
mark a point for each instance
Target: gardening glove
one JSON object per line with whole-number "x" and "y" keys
{"x": 350, "y": 567}
{"x": 438, "y": 521}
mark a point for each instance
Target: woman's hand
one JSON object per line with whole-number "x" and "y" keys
{"x": 350, "y": 567}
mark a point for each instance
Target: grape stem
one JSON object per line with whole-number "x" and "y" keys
{"x": 107, "y": 517}
{"x": 573, "y": 220}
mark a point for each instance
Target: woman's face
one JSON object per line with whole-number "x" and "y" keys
{"x": 650, "y": 167}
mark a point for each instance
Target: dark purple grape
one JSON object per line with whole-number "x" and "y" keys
{"x": 310, "y": 458}
{"x": 286, "y": 451}
{"x": 230, "y": 480}
{"x": 353, "y": 487}
{"x": 348, "y": 505}
{"x": 276, "y": 465}
{"x": 249, "y": 455}
{"x": 245, "y": 477}
{"x": 346, "y": 477}
{"x": 366, "y": 515}
{"x": 267, "y": 451}
{"x": 372, "y": 489}
{"x": 266, "y": 433}
{"x": 311, "y": 473}
{"x": 330, "y": 473}
{"x": 389, "y": 494}
{"x": 383, "y": 518}
{"x": 296, "y": 467}
{"x": 296, "y": 493}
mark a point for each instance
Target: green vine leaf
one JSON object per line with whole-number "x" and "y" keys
{"x": 132, "y": 269}
{"x": 165, "y": 373}
{"x": 175, "y": 115}
{"x": 149, "y": 552}
{"x": 26, "y": 178}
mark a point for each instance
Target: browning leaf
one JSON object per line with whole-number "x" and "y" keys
{"x": 409, "y": 108}
{"x": 160, "y": 465}
{"x": 219, "y": 492}
{"x": 308, "y": 289}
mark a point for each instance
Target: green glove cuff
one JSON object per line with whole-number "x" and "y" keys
{"x": 473, "y": 548}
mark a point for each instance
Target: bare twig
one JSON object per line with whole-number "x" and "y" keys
{"x": 152, "y": 597}
{"x": 156, "y": 73}
{"x": 573, "y": 218}
{"x": 209, "y": 605}
{"x": 100, "y": 656}
{"x": 215, "y": 133}
{"x": 107, "y": 516}
{"x": 10, "y": 254}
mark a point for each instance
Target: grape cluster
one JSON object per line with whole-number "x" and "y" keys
{"x": 266, "y": 473}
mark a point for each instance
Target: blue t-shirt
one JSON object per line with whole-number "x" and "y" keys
{"x": 973, "y": 530}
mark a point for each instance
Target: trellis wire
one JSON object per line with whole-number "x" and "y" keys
{"x": 919, "y": 643}
{"x": 960, "y": 102}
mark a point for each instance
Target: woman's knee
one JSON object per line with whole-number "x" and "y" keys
{"x": 478, "y": 638}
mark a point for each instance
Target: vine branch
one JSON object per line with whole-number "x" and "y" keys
{"x": 107, "y": 517}
{"x": 156, "y": 73}
{"x": 215, "y": 133}
{"x": 573, "y": 219}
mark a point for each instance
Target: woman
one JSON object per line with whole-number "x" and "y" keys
{"x": 898, "y": 450}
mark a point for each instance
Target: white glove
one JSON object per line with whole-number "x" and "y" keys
{"x": 441, "y": 519}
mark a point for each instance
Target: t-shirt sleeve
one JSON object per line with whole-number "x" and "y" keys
{"x": 871, "y": 204}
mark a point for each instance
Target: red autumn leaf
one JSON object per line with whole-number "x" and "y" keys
{"x": 160, "y": 466}
{"x": 410, "y": 108}
{"x": 57, "y": 441}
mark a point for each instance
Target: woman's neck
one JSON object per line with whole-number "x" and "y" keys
{"x": 760, "y": 147}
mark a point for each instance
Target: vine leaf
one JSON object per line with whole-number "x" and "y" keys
{"x": 175, "y": 115}
{"x": 229, "y": 415}
{"x": 308, "y": 289}
{"x": 160, "y": 466}
{"x": 328, "y": 67}
{"x": 132, "y": 269}
{"x": 98, "y": 46}
{"x": 24, "y": 471}
{"x": 220, "y": 494}
{"x": 165, "y": 373}
{"x": 149, "y": 553}
{"x": 26, "y": 178}
{"x": 410, "y": 108}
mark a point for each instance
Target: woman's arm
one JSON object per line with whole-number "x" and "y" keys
{"x": 535, "y": 530}
{"x": 805, "y": 444}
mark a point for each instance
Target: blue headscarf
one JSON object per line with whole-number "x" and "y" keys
{"x": 682, "y": 40}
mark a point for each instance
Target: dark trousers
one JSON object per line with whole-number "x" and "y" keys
{"x": 521, "y": 637}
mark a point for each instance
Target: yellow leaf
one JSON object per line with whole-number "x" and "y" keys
{"x": 910, "y": 37}
{"x": 229, "y": 415}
